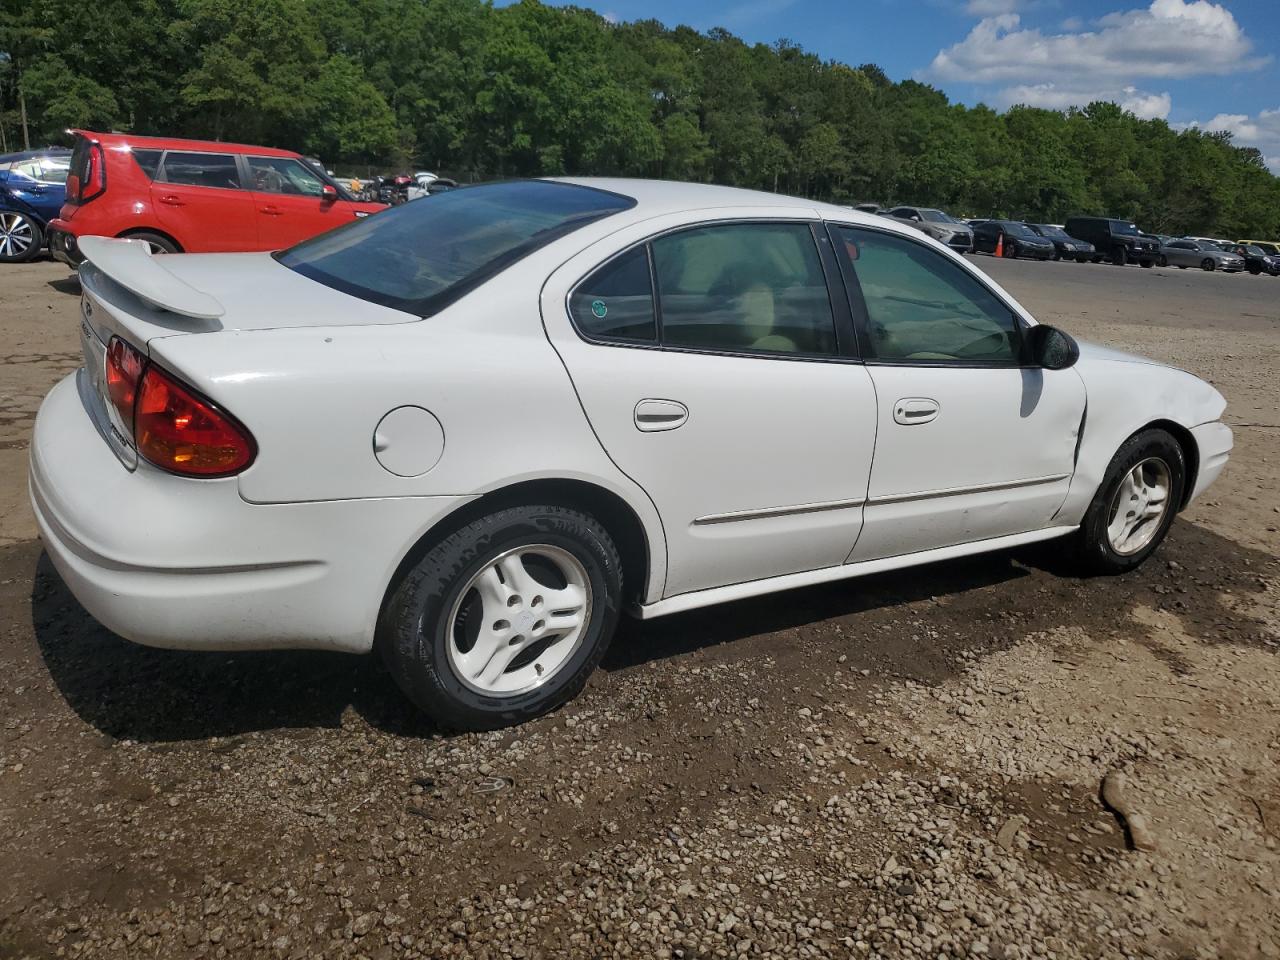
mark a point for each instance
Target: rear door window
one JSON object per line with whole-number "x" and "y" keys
{"x": 747, "y": 287}
{"x": 202, "y": 170}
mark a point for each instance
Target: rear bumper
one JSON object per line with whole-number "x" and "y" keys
{"x": 63, "y": 244}
{"x": 173, "y": 562}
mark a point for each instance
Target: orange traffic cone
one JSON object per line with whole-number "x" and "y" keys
{"x": 999, "y": 245}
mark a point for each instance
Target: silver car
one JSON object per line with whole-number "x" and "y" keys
{"x": 941, "y": 226}
{"x": 1199, "y": 253}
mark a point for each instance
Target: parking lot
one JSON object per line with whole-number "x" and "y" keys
{"x": 905, "y": 765}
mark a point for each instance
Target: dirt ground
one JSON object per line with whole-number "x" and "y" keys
{"x": 906, "y": 765}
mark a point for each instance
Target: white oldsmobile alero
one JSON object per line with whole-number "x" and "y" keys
{"x": 471, "y": 430}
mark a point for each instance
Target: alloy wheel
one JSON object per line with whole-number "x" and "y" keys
{"x": 519, "y": 620}
{"x": 1139, "y": 506}
{"x": 16, "y": 235}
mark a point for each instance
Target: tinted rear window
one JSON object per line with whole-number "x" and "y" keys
{"x": 423, "y": 255}
{"x": 148, "y": 160}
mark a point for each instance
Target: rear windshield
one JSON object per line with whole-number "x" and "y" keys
{"x": 423, "y": 255}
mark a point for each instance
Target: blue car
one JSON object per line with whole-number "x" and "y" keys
{"x": 33, "y": 185}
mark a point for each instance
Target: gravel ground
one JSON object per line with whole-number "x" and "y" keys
{"x": 902, "y": 766}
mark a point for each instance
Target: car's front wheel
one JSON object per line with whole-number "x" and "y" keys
{"x": 1207, "y": 264}
{"x": 20, "y": 237}
{"x": 1135, "y": 504}
{"x": 504, "y": 619}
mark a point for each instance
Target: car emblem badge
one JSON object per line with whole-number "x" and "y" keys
{"x": 599, "y": 309}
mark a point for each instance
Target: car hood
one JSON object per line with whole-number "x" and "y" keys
{"x": 1096, "y": 351}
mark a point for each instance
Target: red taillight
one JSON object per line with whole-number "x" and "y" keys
{"x": 95, "y": 178}
{"x": 173, "y": 427}
{"x": 178, "y": 431}
{"x": 73, "y": 188}
{"x": 124, "y": 370}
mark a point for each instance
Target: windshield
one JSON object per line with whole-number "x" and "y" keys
{"x": 1254, "y": 251}
{"x": 1019, "y": 230}
{"x": 1056, "y": 233}
{"x": 1122, "y": 228}
{"x": 937, "y": 216}
{"x": 421, "y": 256}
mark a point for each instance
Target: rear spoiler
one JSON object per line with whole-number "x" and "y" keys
{"x": 131, "y": 264}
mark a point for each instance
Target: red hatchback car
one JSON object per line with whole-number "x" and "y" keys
{"x": 194, "y": 196}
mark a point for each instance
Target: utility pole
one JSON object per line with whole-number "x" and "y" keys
{"x": 22, "y": 109}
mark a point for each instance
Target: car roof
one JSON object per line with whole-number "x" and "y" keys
{"x": 657, "y": 197}
{"x": 136, "y": 141}
{"x": 34, "y": 154}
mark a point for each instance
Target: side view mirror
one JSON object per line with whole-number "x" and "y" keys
{"x": 328, "y": 193}
{"x": 1051, "y": 348}
{"x": 915, "y": 217}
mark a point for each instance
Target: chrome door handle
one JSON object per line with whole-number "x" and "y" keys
{"x": 913, "y": 410}
{"x": 654, "y": 415}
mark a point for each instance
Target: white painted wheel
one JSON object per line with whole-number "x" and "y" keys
{"x": 18, "y": 236}
{"x": 519, "y": 620}
{"x": 1139, "y": 506}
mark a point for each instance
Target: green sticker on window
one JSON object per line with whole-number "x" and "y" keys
{"x": 599, "y": 309}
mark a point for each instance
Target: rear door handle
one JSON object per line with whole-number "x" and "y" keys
{"x": 271, "y": 211}
{"x": 654, "y": 415}
{"x": 172, "y": 201}
{"x": 913, "y": 410}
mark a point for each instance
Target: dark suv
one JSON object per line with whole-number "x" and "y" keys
{"x": 1116, "y": 240}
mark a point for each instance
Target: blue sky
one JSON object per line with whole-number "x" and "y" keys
{"x": 1213, "y": 63}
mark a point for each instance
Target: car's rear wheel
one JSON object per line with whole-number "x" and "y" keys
{"x": 504, "y": 619}
{"x": 1010, "y": 250}
{"x": 1207, "y": 264}
{"x": 20, "y": 237}
{"x": 1135, "y": 504}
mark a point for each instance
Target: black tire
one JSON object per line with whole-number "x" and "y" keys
{"x": 1208, "y": 264}
{"x": 17, "y": 228}
{"x": 1082, "y": 259}
{"x": 1097, "y": 259}
{"x": 1164, "y": 261}
{"x": 1182, "y": 266}
{"x": 1120, "y": 256}
{"x": 158, "y": 242}
{"x": 1147, "y": 264}
{"x": 412, "y": 628}
{"x": 1057, "y": 255}
{"x": 1255, "y": 270}
{"x": 1011, "y": 250}
{"x": 1094, "y": 550}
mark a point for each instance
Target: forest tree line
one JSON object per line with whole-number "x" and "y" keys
{"x": 475, "y": 92}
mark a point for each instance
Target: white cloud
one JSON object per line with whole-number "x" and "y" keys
{"x": 1170, "y": 38}
{"x": 1262, "y": 131}
{"x": 1051, "y": 96}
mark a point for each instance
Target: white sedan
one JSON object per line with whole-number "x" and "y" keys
{"x": 472, "y": 432}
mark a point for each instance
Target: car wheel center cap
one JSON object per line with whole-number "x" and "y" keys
{"x": 524, "y": 621}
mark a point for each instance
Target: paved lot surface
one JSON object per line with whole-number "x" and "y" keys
{"x": 907, "y": 765}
